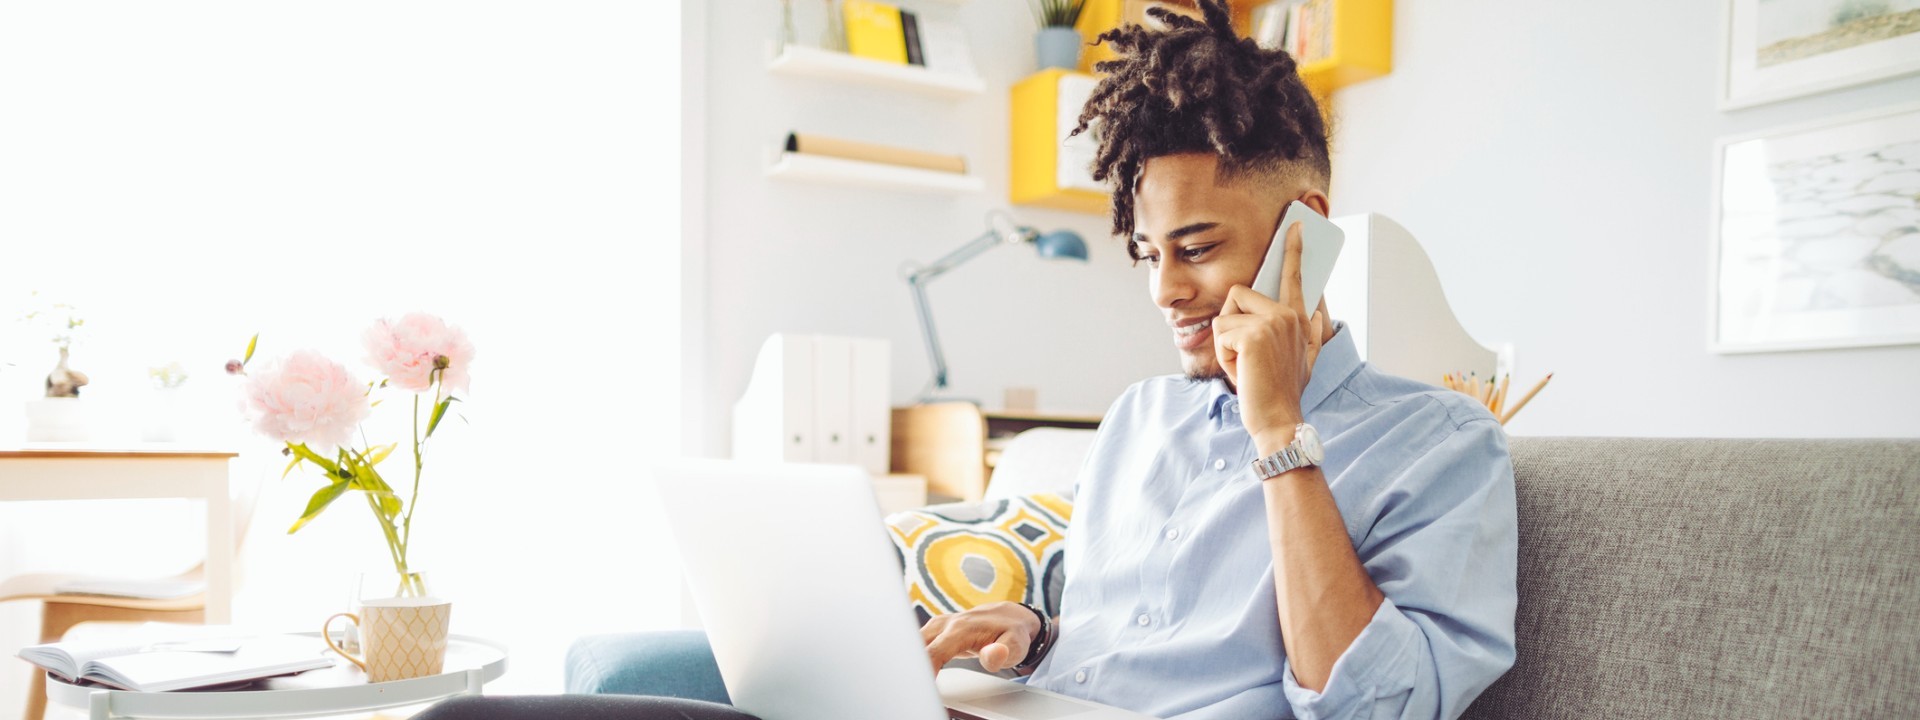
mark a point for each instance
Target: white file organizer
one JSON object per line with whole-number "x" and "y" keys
{"x": 817, "y": 398}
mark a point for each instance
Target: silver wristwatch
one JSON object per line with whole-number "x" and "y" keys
{"x": 1304, "y": 451}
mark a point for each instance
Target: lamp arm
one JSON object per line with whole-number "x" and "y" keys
{"x": 1002, "y": 232}
{"x": 966, "y": 252}
{"x": 928, "y": 333}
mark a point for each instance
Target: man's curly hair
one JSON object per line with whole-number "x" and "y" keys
{"x": 1198, "y": 87}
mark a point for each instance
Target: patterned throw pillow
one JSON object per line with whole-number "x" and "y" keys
{"x": 959, "y": 556}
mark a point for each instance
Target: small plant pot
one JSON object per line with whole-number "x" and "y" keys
{"x": 61, "y": 419}
{"x": 1058, "y": 47}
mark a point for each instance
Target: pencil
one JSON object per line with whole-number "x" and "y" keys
{"x": 1524, "y": 398}
{"x": 1500, "y": 395}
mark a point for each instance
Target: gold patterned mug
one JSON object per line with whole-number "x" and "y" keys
{"x": 400, "y": 638}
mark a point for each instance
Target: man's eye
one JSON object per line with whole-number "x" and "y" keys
{"x": 1194, "y": 253}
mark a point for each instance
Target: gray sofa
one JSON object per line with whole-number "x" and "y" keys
{"x": 1715, "y": 579}
{"x": 1658, "y": 579}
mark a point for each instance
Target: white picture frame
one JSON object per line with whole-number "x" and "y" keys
{"x": 1796, "y": 65}
{"x": 1796, "y": 263}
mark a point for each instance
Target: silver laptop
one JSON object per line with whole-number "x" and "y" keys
{"x": 803, "y": 601}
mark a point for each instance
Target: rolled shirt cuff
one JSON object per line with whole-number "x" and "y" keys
{"x": 1379, "y": 663}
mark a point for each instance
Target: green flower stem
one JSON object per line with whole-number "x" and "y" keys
{"x": 407, "y": 525}
{"x": 393, "y": 541}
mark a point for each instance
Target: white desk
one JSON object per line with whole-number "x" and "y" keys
{"x": 53, "y": 472}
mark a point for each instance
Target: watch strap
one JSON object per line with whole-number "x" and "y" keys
{"x": 1277, "y": 464}
{"x": 1037, "y": 650}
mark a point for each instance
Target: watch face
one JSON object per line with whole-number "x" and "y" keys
{"x": 1310, "y": 443}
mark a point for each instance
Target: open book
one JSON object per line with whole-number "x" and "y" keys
{"x": 154, "y": 663}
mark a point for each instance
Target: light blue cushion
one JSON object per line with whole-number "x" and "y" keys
{"x": 667, "y": 663}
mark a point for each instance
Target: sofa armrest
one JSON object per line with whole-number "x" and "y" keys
{"x": 666, "y": 663}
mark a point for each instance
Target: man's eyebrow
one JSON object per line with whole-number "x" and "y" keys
{"x": 1180, "y": 232}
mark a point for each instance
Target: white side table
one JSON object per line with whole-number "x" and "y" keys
{"x": 341, "y": 689}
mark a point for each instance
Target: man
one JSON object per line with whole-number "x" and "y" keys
{"x": 1378, "y": 582}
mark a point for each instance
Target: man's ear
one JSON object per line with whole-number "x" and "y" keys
{"x": 1318, "y": 201}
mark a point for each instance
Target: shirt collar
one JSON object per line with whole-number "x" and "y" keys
{"x": 1337, "y": 361}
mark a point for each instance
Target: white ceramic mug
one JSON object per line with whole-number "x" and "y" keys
{"x": 400, "y": 638}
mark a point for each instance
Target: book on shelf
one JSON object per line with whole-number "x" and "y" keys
{"x": 822, "y": 146}
{"x": 1308, "y": 36}
{"x": 159, "y": 658}
{"x": 878, "y": 31}
{"x": 1270, "y": 24}
{"x": 910, "y": 34}
{"x": 943, "y": 46}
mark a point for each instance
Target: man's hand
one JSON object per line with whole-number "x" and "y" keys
{"x": 1267, "y": 349}
{"x": 997, "y": 633}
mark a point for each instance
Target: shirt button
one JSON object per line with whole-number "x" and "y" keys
{"x": 1173, "y": 534}
{"x": 1080, "y": 677}
{"x": 1144, "y": 620}
{"x": 1219, "y": 464}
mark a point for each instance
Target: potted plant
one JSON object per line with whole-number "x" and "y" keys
{"x": 59, "y": 416}
{"x": 1058, "y": 44}
{"x": 164, "y": 409}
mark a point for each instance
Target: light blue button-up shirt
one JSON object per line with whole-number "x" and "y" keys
{"x": 1169, "y": 605}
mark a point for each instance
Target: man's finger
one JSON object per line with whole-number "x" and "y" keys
{"x": 947, "y": 647}
{"x": 1245, "y": 300}
{"x": 1290, "y": 293}
{"x": 932, "y": 629}
{"x": 1232, "y": 305}
{"x": 1001, "y": 653}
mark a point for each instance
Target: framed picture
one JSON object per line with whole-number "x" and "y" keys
{"x": 1779, "y": 49}
{"x": 1816, "y": 235}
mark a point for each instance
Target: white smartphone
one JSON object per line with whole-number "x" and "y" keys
{"x": 1320, "y": 243}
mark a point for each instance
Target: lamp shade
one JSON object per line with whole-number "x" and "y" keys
{"x": 1061, "y": 245}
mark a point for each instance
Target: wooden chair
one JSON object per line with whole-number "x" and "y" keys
{"x": 178, "y": 599}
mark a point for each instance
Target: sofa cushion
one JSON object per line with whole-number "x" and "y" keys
{"x": 1715, "y": 578}
{"x": 962, "y": 555}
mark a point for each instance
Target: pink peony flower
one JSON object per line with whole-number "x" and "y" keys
{"x": 406, "y": 351}
{"x": 307, "y": 398}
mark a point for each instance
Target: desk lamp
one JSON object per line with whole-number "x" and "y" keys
{"x": 1056, "y": 245}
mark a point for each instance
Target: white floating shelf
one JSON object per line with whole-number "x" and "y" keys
{"x": 814, "y": 168}
{"x": 803, "y": 61}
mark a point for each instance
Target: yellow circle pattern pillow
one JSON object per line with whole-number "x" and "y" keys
{"x": 964, "y": 555}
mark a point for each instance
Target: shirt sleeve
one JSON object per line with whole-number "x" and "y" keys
{"x": 1442, "y": 548}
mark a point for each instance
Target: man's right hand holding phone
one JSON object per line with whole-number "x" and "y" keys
{"x": 999, "y": 634}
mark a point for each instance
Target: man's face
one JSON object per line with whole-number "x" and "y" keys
{"x": 1200, "y": 235}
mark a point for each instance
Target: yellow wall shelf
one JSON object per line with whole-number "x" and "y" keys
{"x": 802, "y": 61}
{"x": 1040, "y": 125}
{"x": 1362, "y": 38}
{"x": 1362, "y": 46}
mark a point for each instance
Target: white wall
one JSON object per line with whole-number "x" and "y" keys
{"x": 192, "y": 173}
{"x": 1559, "y": 169}
{"x": 786, "y": 257}
{"x": 1556, "y": 166}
